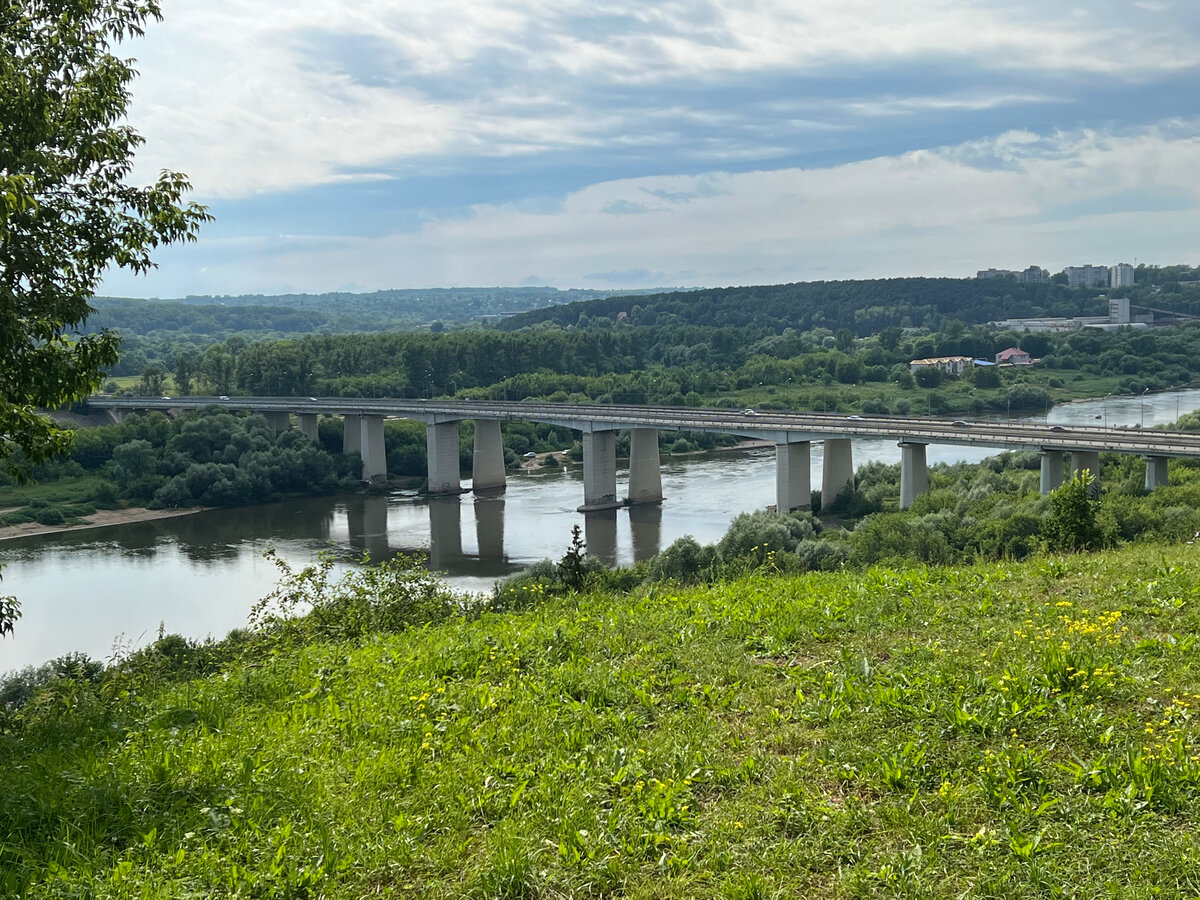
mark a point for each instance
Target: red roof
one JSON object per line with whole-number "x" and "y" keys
{"x": 1011, "y": 351}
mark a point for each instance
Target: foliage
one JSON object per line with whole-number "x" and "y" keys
{"x": 754, "y": 536}
{"x": 571, "y": 570}
{"x": 390, "y": 596}
{"x": 67, "y": 212}
{"x": 1071, "y": 526}
{"x": 1016, "y": 730}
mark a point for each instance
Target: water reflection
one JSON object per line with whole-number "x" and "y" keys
{"x": 489, "y": 527}
{"x": 645, "y": 524}
{"x": 367, "y": 525}
{"x": 600, "y": 535}
{"x": 445, "y": 533}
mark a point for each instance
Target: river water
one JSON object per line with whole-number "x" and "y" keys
{"x": 103, "y": 589}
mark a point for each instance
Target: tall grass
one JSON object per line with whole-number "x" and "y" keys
{"x": 996, "y": 731}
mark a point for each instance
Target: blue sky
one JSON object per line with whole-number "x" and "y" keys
{"x": 609, "y": 143}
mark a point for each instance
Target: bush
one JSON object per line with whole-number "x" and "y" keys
{"x": 18, "y": 688}
{"x": 49, "y": 516}
{"x": 686, "y": 561}
{"x": 389, "y": 597}
{"x": 754, "y": 536}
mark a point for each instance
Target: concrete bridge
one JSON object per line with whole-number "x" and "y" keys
{"x": 792, "y": 434}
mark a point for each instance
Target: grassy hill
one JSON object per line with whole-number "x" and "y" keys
{"x": 996, "y": 731}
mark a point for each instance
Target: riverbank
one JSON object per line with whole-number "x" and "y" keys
{"x": 99, "y": 519}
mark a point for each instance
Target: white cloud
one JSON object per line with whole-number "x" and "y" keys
{"x": 1009, "y": 201}
{"x": 244, "y": 96}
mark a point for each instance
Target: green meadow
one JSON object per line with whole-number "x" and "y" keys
{"x": 1017, "y": 730}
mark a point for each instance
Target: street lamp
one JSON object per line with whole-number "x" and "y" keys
{"x": 1106, "y": 410}
{"x": 1142, "y": 422}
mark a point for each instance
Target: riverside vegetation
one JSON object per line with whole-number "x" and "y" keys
{"x": 989, "y": 730}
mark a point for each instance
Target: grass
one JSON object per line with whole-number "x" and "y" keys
{"x": 994, "y": 731}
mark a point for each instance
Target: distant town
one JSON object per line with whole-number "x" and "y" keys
{"x": 1120, "y": 275}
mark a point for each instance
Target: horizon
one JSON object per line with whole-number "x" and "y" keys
{"x": 690, "y": 144}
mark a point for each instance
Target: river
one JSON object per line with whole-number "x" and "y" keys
{"x": 106, "y": 590}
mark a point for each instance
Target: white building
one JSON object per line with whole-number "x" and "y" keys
{"x": 996, "y": 273}
{"x": 1087, "y": 276}
{"x": 1035, "y": 275}
{"x": 1118, "y": 310}
{"x": 1120, "y": 275}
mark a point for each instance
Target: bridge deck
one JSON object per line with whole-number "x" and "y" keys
{"x": 780, "y": 427}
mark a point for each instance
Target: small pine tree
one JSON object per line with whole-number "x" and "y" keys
{"x": 571, "y": 570}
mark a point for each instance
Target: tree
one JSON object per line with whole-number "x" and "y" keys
{"x": 66, "y": 211}
{"x": 152, "y": 381}
{"x": 1071, "y": 526}
{"x": 187, "y": 366}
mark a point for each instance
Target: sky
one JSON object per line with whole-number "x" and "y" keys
{"x": 358, "y": 146}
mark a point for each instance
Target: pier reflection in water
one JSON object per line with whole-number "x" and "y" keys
{"x": 384, "y": 527}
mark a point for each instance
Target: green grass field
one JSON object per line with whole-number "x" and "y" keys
{"x": 996, "y": 731}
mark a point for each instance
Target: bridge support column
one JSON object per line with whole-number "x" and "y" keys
{"x": 371, "y": 447}
{"x": 352, "y": 434}
{"x": 487, "y": 462}
{"x": 308, "y": 426}
{"x": 1052, "y": 470}
{"x": 793, "y": 478}
{"x": 599, "y": 471}
{"x": 914, "y": 477}
{"x": 1088, "y": 460}
{"x": 838, "y": 473}
{"x": 279, "y": 421}
{"x": 645, "y": 474}
{"x": 1156, "y": 472}
{"x": 441, "y": 445}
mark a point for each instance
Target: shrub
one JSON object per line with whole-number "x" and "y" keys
{"x": 390, "y": 596}
{"x": 686, "y": 560}
{"x": 49, "y": 516}
{"x": 755, "y": 535}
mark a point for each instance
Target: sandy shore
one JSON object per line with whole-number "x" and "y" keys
{"x": 98, "y": 519}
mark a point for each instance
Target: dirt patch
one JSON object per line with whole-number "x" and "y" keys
{"x": 98, "y": 519}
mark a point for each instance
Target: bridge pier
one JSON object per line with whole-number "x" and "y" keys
{"x": 372, "y": 449}
{"x": 599, "y": 471}
{"x": 1052, "y": 469}
{"x": 351, "y": 434}
{"x": 838, "y": 473}
{"x": 279, "y": 421}
{"x": 1089, "y": 461}
{"x": 308, "y": 426}
{"x": 441, "y": 445}
{"x": 645, "y": 473}
{"x": 1156, "y": 472}
{"x": 487, "y": 462}
{"x": 793, "y": 478}
{"x": 914, "y": 476}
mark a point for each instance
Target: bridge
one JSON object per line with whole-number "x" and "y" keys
{"x": 791, "y": 433}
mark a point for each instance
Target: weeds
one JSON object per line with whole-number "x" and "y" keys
{"x": 1016, "y": 731}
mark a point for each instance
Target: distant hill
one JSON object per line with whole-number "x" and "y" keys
{"x": 289, "y": 314}
{"x": 864, "y": 307}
